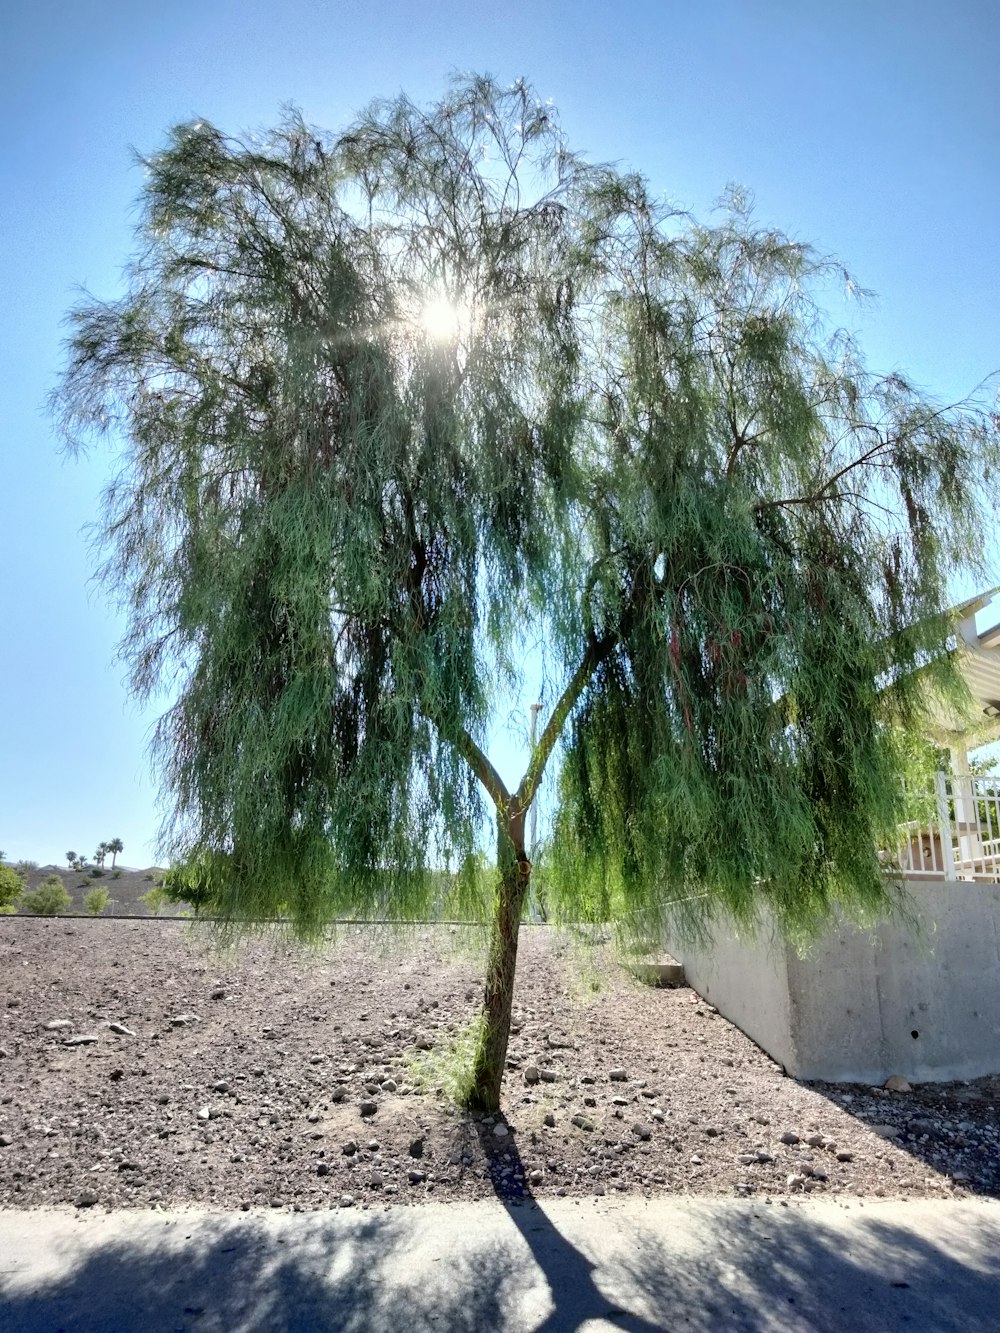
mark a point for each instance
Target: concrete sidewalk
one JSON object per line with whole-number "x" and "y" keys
{"x": 636, "y": 1264}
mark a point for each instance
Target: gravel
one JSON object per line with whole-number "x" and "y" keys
{"x": 294, "y": 1080}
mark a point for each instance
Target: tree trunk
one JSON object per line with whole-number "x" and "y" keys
{"x": 513, "y": 876}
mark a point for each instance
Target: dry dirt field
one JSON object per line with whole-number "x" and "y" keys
{"x": 139, "y": 1067}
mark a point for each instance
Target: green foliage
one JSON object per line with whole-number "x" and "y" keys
{"x": 49, "y": 899}
{"x": 116, "y": 874}
{"x": 11, "y": 888}
{"x": 190, "y": 882}
{"x": 26, "y": 867}
{"x": 115, "y": 846}
{"x": 155, "y": 899}
{"x": 639, "y": 447}
{"x": 96, "y": 872}
{"x": 97, "y": 900}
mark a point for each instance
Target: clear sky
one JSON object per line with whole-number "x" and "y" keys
{"x": 868, "y": 127}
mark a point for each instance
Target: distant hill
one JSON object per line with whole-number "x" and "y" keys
{"x": 125, "y": 886}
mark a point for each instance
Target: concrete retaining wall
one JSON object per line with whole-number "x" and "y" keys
{"x": 861, "y": 1005}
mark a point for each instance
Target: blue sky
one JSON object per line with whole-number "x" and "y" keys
{"x": 868, "y": 128}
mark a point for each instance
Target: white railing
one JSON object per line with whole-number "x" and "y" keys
{"x": 952, "y": 830}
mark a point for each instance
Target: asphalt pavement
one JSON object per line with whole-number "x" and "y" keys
{"x": 629, "y": 1264}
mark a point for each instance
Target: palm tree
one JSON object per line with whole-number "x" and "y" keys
{"x": 114, "y": 847}
{"x": 71, "y": 859}
{"x": 101, "y": 853}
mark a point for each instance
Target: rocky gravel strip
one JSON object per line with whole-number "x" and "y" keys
{"x": 138, "y": 1068}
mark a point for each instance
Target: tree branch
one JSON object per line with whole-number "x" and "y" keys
{"x": 597, "y": 652}
{"x": 484, "y": 771}
{"x": 830, "y": 481}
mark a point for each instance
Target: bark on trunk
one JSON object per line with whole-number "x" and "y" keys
{"x": 514, "y": 874}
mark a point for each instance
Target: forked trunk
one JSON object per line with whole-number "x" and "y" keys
{"x": 514, "y": 873}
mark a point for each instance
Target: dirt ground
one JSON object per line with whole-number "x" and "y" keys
{"x": 310, "y": 1080}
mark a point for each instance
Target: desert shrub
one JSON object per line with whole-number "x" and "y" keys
{"x": 49, "y": 899}
{"x": 96, "y": 900}
{"x": 149, "y": 878}
{"x": 155, "y": 899}
{"x": 96, "y": 872}
{"x": 116, "y": 874}
{"x": 11, "y": 888}
{"x": 26, "y": 867}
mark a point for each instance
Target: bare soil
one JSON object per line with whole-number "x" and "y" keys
{"x": 310, "y": 1080}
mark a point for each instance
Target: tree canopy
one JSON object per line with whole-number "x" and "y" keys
{"x": 395, "y": 404}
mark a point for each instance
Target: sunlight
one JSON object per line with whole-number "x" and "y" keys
{"x": 442, "y": 320}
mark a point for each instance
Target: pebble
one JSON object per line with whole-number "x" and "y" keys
{"x": 349, "y": 1148}
{"x": 531, "y": 1074}
{"x": 795, "y": 1182}
{"x": 896, "y": 1083}
{"x": 845, "y": 1156}
{"x": 549, "y": 1120}
{"x": 642, "y": 1131}
{"x": 120, "y": 1030}
{"x": 86, "y": 1200}
{"x": 58, "y": 1024}
{"x": 548, "y": 1075}
{"x": 184, "y": 1020}
{"x": 219, "y": 993}
{"x": 415, "y": 1176}
{"x": 368, "y": 1108}
{"x": 536, "y": 1177}
{"x": 389, "y": 1085}
{"x": 346, "y": 1201}
{"x": 416, "y": 1148}
{"x": 84, "y": 1039}
{"x": 790, "y": 1137}
{"x": 582, "y": 1122}
{"x": 886, "y": 1131}
{"x": 323, "y": 1169}
{"x": 375, "y": 1181}
{"x": 617, "y": 1075}
{"x": 500, "y": 1131}
{"x": 5, "y": 1142}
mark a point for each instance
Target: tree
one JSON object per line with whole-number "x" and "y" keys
{"x": 71, "y": 860}
{"x": 406, "y": 407}
{"x": 190, "y": 882}
{"x": 11, "y": 888}
{"x": 114, "y": 847}
{"x": 49, "y": 899}
{"x": 100, "y": 856}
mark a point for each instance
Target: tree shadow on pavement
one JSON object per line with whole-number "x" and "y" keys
{"x": 747, "y": 1266}
{"x": 705, "y": 1266}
